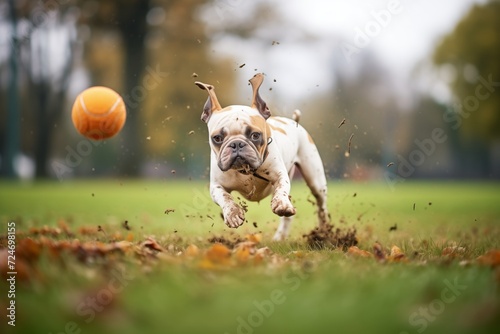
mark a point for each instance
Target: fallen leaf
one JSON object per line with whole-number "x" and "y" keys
{"x": 396, "y": 254}
{"x": 121, "y": 245}
{"x": 64, "y": 227}
{"x": 87, "y": 230}
{"x": 46, "y": 230}
{"x": 354, "y": 250}
{"x": 192, "y": 251}
{"x": 490, "y": 258}
{"x": 266, "y": 251}
{"x": 395, "y": 251}
{"x": 152, "y": 244}
{"x": 22, "y": 268}
{"x": 261, "y": 253}
{"x": 218, "y": 253}
{"x": 28, "y": 249}
{"x": 242, "y": 254}
{"x": 258, "y": 258}
{"x": 256, "y": 237}
{"x": 116, "y": 236}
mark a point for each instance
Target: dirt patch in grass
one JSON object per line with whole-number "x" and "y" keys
{"x": 329, "y": 236}
{"x": 228, "y": 242}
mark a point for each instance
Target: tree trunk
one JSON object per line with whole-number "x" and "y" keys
{"x": 13, "y": 120}
{"x": 50, "y": 104}
{"x": 43, "y": 130}
{"x": 133, "y": 29}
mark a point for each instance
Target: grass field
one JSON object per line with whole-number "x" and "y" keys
{"x": 181, "y": 284}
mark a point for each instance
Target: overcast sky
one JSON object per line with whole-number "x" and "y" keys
{"x": 399, "y": 40}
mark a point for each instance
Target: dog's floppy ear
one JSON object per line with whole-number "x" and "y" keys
{"x": 257, "y": 102}
{"x": 212, "y": 103}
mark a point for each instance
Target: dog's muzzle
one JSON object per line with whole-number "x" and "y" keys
{"x": 239, "y": 155}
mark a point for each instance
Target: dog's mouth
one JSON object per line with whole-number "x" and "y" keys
{"x": 241, "y": 165}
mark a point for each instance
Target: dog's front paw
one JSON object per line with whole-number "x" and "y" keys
{"x": 234, "y": 216}
{"x": 282, "y": 206}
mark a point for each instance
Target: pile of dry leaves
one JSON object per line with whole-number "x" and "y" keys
{"x": 93, "y": 245}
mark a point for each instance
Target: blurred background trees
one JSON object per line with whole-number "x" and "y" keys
{"x": 471, "y": 52}
{"x": 152, "y": 52}
{"x": 38, "y": 64}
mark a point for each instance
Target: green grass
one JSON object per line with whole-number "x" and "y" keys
{"x": 314, "y": 291}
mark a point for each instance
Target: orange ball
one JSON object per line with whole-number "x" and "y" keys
{"x": 98, "y": 113}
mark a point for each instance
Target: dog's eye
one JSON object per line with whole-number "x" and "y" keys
{"x": 255, "y": 136}
{"x": 218, "y": 139}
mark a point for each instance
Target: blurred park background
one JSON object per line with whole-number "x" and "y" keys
{"x": 417, "y": 82}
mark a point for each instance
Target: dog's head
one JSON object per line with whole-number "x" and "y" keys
{"x": 238, "y": 135}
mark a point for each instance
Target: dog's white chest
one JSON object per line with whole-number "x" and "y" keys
{"x": 251, "y": 187}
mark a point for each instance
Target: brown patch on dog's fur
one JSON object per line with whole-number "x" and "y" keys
{"x": 310, "y": 138}
{"x": 277, "y": 129}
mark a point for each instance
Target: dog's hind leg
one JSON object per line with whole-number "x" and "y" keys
{"x": 312, "y": 170}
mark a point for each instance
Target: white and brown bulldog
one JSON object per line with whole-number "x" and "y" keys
{"x": 256, "y": 154}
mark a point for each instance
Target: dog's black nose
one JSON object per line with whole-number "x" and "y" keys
{"x": 237, "y": 145}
